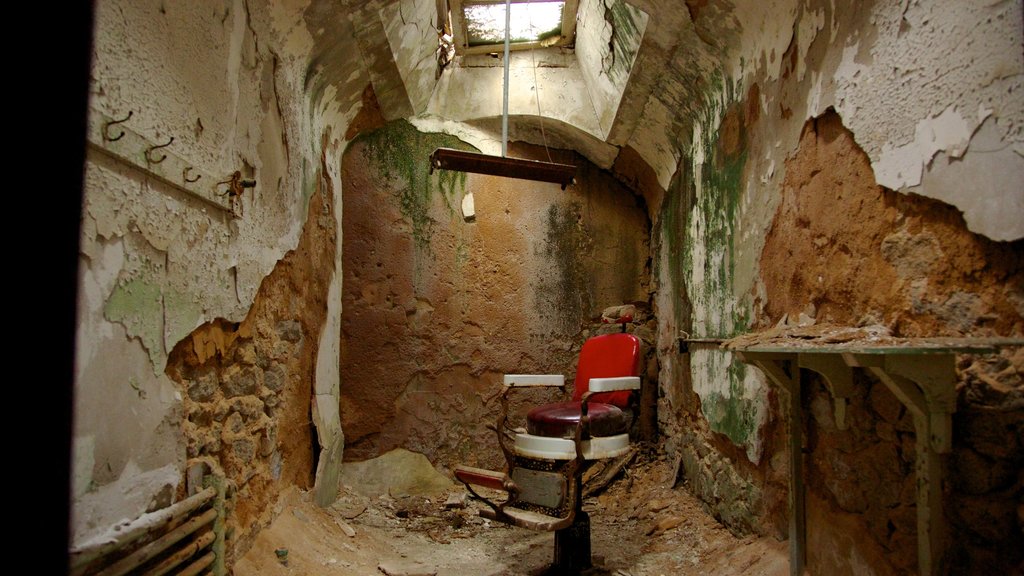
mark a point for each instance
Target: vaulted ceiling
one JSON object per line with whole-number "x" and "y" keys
{"x": 634, "y": 78}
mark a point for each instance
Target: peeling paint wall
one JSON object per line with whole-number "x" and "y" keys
{"x": 437, "y": 309}
{"x": 945, "y": 81}
{"x": 226, "y": 81}
{"x": 751, "y": 77}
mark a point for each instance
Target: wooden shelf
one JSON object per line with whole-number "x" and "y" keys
{"x": 920, "y": 372}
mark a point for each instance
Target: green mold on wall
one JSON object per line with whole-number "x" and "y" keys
{"x": 566, "y": 244}
{"x": 674, "y": 221}
{"x": 707, "y": 200}
{"x": 703, "y": 208}
{"x": 732, "y": 414}
{"x": 400, "y": 152}
{"x": 626, "y": 38}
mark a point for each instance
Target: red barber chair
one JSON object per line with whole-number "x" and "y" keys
{"x": 546, "y": 461}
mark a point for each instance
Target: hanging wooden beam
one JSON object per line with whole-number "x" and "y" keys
{"x": 476, "y": 162}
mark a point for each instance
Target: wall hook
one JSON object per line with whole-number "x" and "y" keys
{"x": 184, "y": 175}
{"x": 149, "y": 152}
{"x": 106, "y": 128}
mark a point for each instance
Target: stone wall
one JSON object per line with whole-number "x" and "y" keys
{"x": 248, "y": 385}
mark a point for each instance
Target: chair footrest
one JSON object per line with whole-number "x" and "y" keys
{"x": 481, "y": 477}
{"x": 528, "y": 519}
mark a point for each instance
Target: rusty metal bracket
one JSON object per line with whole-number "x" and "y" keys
{"x": 838, "y": 377}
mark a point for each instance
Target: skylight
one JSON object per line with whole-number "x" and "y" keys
{"x": 479, "y": 25}
{"x": 536, "y": 21}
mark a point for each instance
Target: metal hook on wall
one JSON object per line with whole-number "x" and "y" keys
{"x": 106, "y": 128}
{"x": 149, "y": 151}
{"x": 184, "y": 175}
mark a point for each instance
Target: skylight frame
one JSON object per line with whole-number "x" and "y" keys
{"x": 461, "y": 33}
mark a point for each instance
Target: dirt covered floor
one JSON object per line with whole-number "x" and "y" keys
{"x": 640, "y": 526}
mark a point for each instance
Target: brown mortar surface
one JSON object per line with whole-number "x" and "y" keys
{"x": 844, "y": 251}
{"x": 247, "y": 387}
{"x": 855, "y": 253}
{"x": 369, "y": 116}
{"x": 429, "y": 327}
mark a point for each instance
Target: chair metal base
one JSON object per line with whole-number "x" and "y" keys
{"x": 572, "y": 547}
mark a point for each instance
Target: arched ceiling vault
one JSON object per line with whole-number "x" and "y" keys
{"x": 650, "y": 80}
{"x": 621, "y": 84}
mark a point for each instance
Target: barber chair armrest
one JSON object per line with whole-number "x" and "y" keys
{"x": 598, "y": 385}
{"x": 481, "y": 477}
{"x": 526, "y": 380}
{"x": 500, "y": 481}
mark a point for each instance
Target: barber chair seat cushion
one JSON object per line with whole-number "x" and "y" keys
{"x": 560, "y": 420}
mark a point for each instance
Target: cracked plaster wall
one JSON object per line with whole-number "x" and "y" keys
{"x": 608, "y": 37}
{"x": 411, "y": 28}
{"x": 743, "y": 79}
{"x": 227, "y": 81}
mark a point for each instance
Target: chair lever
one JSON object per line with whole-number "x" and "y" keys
{"x": 488, "y": 479}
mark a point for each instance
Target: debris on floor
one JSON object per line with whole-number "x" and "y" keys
{"x": 640, "y": 526}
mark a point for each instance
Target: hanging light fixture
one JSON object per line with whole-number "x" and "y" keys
{"x": 477, "y": 162}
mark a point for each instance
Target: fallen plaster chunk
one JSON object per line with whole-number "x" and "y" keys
{"x": 348, "y": 530}
{"x": 456, "y": 500}
{"x": 664, "y": 525}
{"x": 404, "y": 568}
{"x": 398, "y": 473}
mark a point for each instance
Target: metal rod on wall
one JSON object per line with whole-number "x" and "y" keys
{"x": 504, "y": 105}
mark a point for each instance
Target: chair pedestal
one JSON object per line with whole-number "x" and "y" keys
{"x": 572, "y": 547}
{"x": 572, "y": 543}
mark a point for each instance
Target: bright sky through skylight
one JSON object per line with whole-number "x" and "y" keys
{"x": 531, "y": 21}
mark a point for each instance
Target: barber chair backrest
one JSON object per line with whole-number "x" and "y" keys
{"x": 607, "y": 356}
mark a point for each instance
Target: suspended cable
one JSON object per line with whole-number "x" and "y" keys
{"x": 504, "y": 104}
{"x": 462, "y": 161}
{"x": 536, "y": 87}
